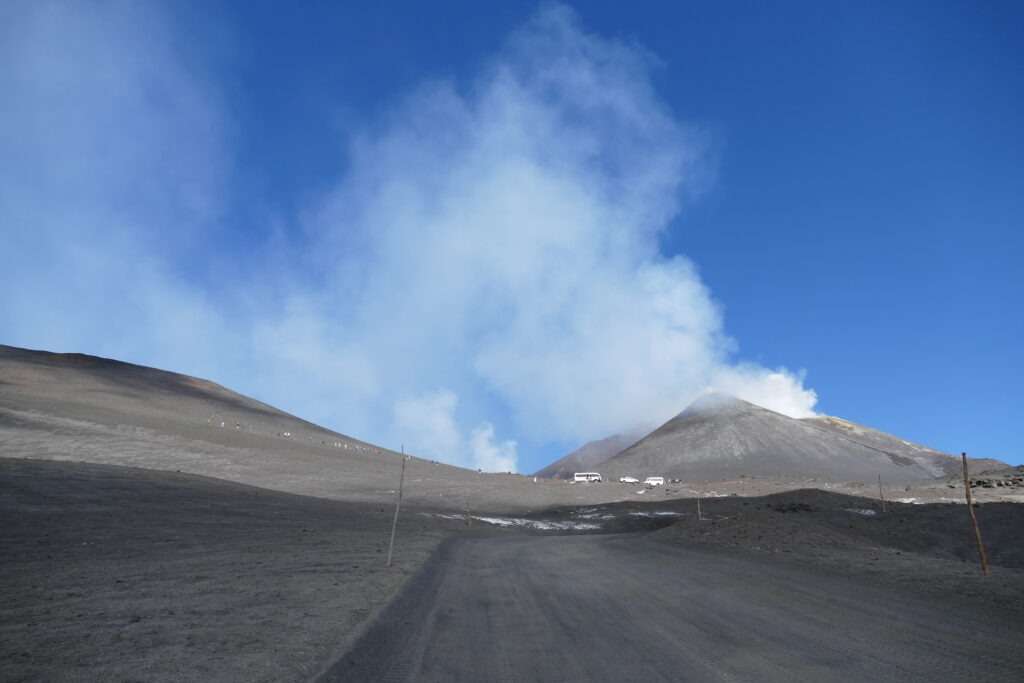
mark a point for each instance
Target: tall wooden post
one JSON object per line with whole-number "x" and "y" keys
{"x": 700, "y": 509}
{"x": 881, "y": 496}
{"x": 398, "y": 506}
{"x": 974, "y": 518}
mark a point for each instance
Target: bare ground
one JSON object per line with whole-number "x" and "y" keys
{"x": 166, "y": 573}
{"x": 626, "y": 608}
{"x": 72, "y": 407}
{"x": 112, "y": 573}
{"x": 927, "y": 549}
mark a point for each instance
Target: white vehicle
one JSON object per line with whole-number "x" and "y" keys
{"x": 654, "y": 481}
{"x": 629, "y": 480}
{"x": 587, "y": 477}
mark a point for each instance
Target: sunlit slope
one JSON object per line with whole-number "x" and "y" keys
{"x": 78, "y": 407}
{"x": 102, "y": 390}
{"x": 82, "y": 408}
{"x": 722, "y": 437}
{"x": 938, "y": 463}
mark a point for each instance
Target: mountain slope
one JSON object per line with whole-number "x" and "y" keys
{"x": 938, "y": 463}
{"x": 588, "y": 456}
{"x": 56, "y": 406}
{"x": 73, "y": 407}
{"x": 722, "y": 437}
{"x": 113, "y": 392}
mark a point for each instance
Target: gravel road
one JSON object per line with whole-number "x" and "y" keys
{"x": 617, "y": 608}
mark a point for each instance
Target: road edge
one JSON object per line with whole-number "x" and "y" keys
{"x": 374, "y": 626}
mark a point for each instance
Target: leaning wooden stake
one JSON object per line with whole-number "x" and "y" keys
{"x": 881, "y": 496}
{"x": 398, "y": 506}
{"x": 974, "y": 518}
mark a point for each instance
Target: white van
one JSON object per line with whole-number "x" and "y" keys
{"x": 587, "y": 477}
{"x": 655, "y": 481}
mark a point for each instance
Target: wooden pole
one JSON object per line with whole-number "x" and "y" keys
{"x": 398, "y": 506}
{"x": 974, "y": 518}
{"x": 700, "y": 510}
{"x": 881, "y": 496}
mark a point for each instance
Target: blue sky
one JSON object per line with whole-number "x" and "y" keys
{"x": 493, "y": 233}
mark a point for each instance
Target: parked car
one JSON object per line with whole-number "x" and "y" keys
{"x": 655, "y": 481}
{"x": 629, "y": 480}
{"x": 587, "y": 477}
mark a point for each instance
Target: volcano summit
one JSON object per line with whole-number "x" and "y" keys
{"x": 721, "y": 437}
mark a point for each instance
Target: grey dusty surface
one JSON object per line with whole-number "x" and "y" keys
{"x": 120, "y": 574}
{"x": 73, "y": 407}
{"x": 936, "y": 462}
{"x": 721, "y": 437}
{"x": 160, "y": 527}
{"x": 626, "y": 608}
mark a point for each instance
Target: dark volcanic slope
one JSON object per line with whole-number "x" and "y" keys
{"x": 124, "y": 574}
{"x": 76, "y": 407}
{"x": 82, "y": 408}
{"x": 721, "y": 437}
{"x": 588, "y": 456}
{"x": 938, "y": 463}
{"x": 108, "y": 391}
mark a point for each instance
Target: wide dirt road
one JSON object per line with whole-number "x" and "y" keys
{"x": 619, "y": 608}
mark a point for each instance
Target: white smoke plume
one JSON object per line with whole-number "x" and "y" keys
{"x": 488, "y": 265}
